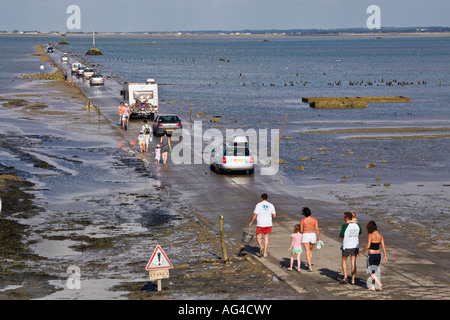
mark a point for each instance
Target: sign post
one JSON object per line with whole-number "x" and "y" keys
{"x": 158, "y": 266}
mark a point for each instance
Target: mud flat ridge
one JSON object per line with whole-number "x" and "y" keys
{"x": 351, "y": 102}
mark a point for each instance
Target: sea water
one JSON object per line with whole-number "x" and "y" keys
{"x": 247, "y": 83}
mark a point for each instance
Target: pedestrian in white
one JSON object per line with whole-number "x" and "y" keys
{"x": 264, "y": 213}
{"x": 147, "y": 129}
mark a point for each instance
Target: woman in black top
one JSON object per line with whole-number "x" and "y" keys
{"x": 374, "y": 240}
{"x": 165, "y": 146}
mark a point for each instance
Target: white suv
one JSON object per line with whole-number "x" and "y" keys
{"x": 232, "y": 157}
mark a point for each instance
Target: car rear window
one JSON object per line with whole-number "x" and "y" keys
{"x": 168, "y": 119}
{"x": 237, "y": 151}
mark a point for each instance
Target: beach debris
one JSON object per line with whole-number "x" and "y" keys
{"x": 300, "y": 168}
{"x": 371, "y": 165}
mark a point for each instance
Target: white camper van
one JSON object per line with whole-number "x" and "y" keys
{"x": 142, "y": 98}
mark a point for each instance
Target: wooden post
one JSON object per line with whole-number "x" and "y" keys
{"x": 159, "y": 284}
{"x": 222, "y": 239}
{"x": 190, "y": 117}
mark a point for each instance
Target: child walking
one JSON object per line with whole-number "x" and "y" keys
{"x": 157, "y": 153}
{"x": 141, "y": 139}
{"x": 296, "y": 247}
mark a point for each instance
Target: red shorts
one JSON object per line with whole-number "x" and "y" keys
{"x": 263, "y": 229}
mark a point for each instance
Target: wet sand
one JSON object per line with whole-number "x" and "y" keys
{"x": 244, "y": 277}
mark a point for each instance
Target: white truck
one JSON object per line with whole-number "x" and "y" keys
{"x": 142, "y": 98}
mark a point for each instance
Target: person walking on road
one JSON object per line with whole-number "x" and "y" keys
{"x": 141, "y": 139}
{"x": 350, "y": 232}
{"x": 120, "y": 111}
{"x": 374, "y": 240}
{"x": 147, "y": 133}
{"x": 296, "y": 247}
{"x": 157, "y": 153}
{"x": 165, "y": 146}
{"x": 311, "y": 234}
{"x": 127, "y": 112}
{"x": 264, "y": 213}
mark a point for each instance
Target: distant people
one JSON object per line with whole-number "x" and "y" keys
{"x": 41, "y": 68}
{"x": 127, "y": 112}
{"x": 374, "y": 240}
{"x": 147, "y": 133}
{"x": 311, "y": 234}
{"x": 350, "y": 232}
{"x": 165, "y": 146}
{"x": 264, "y": 213}
{"x": 157, "y": 153}
{"x": 121, "y": 110}
{"x": 296, "y": 247}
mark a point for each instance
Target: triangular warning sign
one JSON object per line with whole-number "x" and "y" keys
{"x": 159, "y": 260}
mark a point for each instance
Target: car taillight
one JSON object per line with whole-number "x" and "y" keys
{"x": 252, "y": 160}
{"x": 224, "y": 159}
{"x": 160, "y": 124}
{"x": 179, "y": 125}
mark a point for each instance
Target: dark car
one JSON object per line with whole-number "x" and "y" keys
{"x": 168, "y": 122}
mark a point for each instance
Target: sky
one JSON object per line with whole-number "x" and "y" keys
{"x": 226, "y": 15}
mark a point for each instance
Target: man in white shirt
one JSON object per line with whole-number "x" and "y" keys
{"x": 264, "y": 213}
{"x": 350, "y": 232}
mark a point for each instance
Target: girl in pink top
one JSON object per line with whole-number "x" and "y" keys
{"x": 296, "y": 247}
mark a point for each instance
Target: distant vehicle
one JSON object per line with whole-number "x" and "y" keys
{"x": 142, "y": 98}
{"x": 80, "y": 70}
{"x": 65, "y": 58}
{"x": 233, "y": 157}
{"x": 75, "y": 67}
{"x": 88, "y": 72}
{"x": 97, "y": 79}
{"x": 168, "y": 122}
{"x": 49, "y": 49}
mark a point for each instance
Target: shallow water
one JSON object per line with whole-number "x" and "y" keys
{"x": 251, "y": 84}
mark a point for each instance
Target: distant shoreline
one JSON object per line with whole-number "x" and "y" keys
{"x": 234, "y": 35}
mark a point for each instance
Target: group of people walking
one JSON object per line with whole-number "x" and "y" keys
{"x": 306, "y": 235}
{"x": 145, "y": 136}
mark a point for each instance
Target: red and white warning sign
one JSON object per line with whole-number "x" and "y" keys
{"x": 159, "y": 260}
